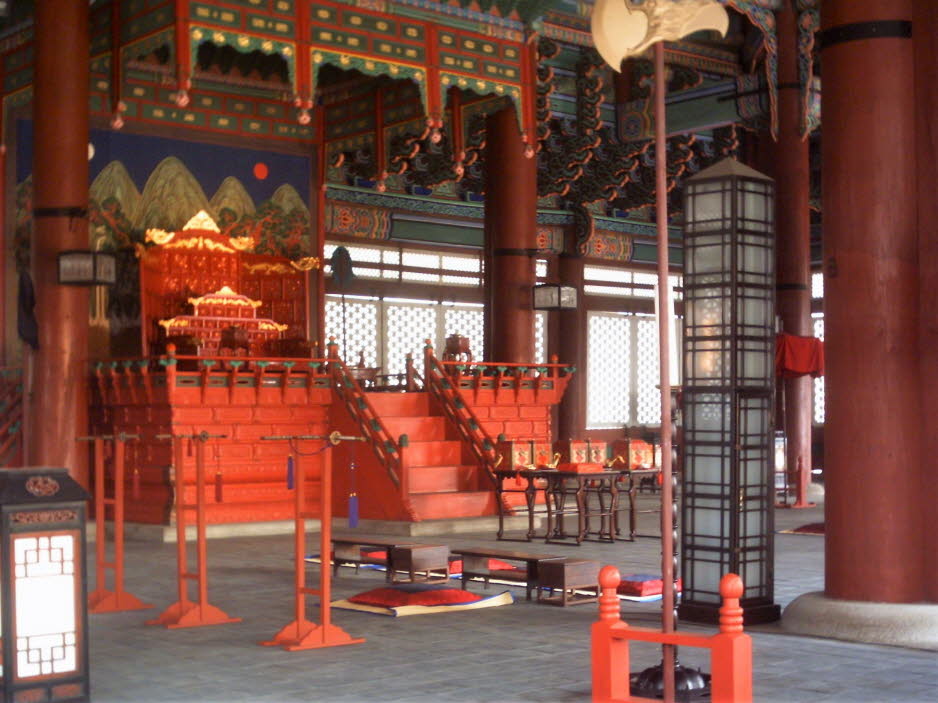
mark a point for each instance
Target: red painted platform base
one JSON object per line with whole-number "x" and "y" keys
{"x": 104, "y": 601}
{"x": 189, "y": 614}
{"x": 795, "y": 505}
{"x": 309, "y": 635}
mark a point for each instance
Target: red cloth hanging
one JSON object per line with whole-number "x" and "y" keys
{"x": 796, "y": 356}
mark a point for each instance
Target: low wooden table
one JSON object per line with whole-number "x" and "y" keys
{"x": 348, "y": 550}
{"x": 633, "y": 479}
{"x": 475, "y": 562}
{"x": 531, "y": 487}
{"x": 429, "y": 559}
{"x": 567, "y": 496}
{"x": 568, "y": 576}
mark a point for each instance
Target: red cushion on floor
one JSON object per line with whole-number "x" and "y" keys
{"x": 455, "y": 567}
{"x": 414, "y": 594}
{"x": 642, "y": 585}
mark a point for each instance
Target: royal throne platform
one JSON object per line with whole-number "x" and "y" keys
{"x": 226, "y": 356}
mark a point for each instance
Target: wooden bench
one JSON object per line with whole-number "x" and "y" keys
{"x": 475, "y": 563}
{"x": 351, "y": 550}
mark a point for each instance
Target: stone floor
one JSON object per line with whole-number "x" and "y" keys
{"x": 521, "y": 652}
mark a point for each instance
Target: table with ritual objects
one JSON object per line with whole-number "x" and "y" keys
{"x": 580, "y": 498}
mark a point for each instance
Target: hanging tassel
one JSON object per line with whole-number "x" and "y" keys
{"x": 135, "y": 483}
{"x": 218, "y": 486}
{"x": 289, "y": 473}
{"x": 352, "y": 498}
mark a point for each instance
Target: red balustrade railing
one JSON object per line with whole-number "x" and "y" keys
{"x": 500, "y": 376}
{"x": 136, "y": 380}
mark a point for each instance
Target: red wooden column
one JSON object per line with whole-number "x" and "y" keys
{"x": 58, "y": 395}
{"x": 510, "y": 238}
{"x": 571, "y": 349}
{"x": 787, "y": 162}
{"x": 872, "y": 440}
{"x": 926, "y": 92}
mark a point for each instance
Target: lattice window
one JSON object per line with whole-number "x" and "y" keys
{"x": 648, "y": 395}
{"x": 540, "y": 337}
{"x": 471, "y": 264}
{"x": 649, "y": 279}
{"x": 390, "y": 263}
{"x": 819, "y": 381}
{"x": 354, "y": 324}
{"x": 468, "y": 322}
{"x": 44, "y": 577}
{"x": 677, "y": 284}
{"x": 608, "y": 372}
{"x": 406, "y": 328}
{"x": 358, "y": 254}
{"x": 817, "y": 285}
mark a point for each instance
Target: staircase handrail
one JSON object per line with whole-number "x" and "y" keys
{"x": 11, "y": 415}
{"x": 457, "y": 411}
{"x": 386, "y": 448}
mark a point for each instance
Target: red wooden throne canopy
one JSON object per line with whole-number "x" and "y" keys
{"x": 199, "y": 264}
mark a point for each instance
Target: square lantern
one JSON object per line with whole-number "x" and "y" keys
{"x": 728, "y": 391}
{"x": 43, "y": 612}
{"x": 82, "y": 267}
{"x": 553, "y": 296}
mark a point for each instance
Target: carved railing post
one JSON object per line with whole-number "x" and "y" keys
{"x": 410, "y": 380}
{"x": 427, "y": 355}
{"x": 732, "y": 649}
{"x": 610, "y": 655}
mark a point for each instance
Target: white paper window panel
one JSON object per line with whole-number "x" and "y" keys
{"x": 817, "y": 285}
{"x": 461, "y": 280}
{"x": 818, "y": 319}
{"x": 406, "y": 329}
{"x": 421, "y": 259}
{"x": 540, "y": 337}
{"x": 608, "y": 370}
{"x": 470, "y": 264}
{"x": 606, "y": 273}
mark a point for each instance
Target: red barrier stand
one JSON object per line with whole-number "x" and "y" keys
{"x": 730, "y": 649}
{"x": 102, "y": 600}
{"x": 303, "y": 633}
{"x": 184, "y": 612}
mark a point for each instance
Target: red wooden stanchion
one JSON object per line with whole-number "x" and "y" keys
{"x": 303, "y": 633}
{"x": 102, "y": 600}
{"x": 730, "y": 649}
{"x": 184, "y": 612}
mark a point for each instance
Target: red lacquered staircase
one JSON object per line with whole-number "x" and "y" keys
{"x": 443, "y": 480}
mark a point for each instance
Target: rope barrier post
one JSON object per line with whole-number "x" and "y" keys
{"x": 103, "y": 600}
{"x": 184, "y": 612}
{"x": 302, "y": 633}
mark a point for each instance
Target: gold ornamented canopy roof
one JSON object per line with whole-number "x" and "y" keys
{"x": 224, "y": 296}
